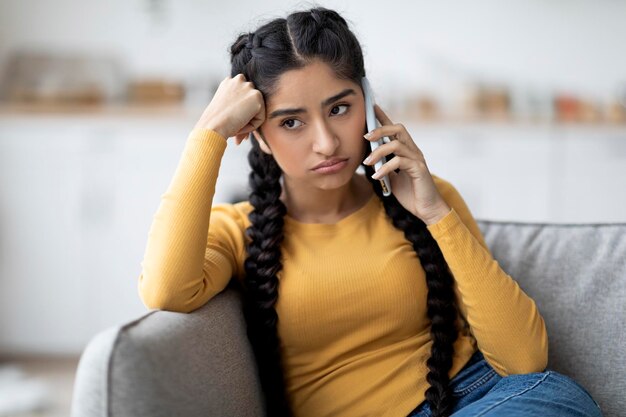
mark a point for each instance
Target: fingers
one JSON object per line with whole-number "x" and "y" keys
{"x": 390, "y": 133}
{"x": 394, "y": 164}
{"x": 414, "y": 169}
{"x": 408, "y": 157}
{"x": 244, "y": 133}
{"x": 387, "y": 130}
{"x": 396, "y": 133}
{"x": 395, "y": 147}
{"x": 240, "y": 138}
{"x": 382, "y": 116}
{"x": 400, "y": 147}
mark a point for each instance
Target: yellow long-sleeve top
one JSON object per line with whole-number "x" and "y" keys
{"x": 352, "y": 307}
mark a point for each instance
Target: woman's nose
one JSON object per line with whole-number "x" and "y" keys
{"x": 325, "y": 141}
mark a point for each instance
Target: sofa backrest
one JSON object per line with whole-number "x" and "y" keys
{"x": 576, "y": 273}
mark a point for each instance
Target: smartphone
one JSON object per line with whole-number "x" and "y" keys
{"x": 372, "y": 123}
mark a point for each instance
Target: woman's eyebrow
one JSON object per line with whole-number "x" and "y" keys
{"x": 329, "y": 100}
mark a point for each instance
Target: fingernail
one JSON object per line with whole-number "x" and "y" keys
{"x": 376, "y": 175}
{"x": 367, "y": 135}
{"x": 367, "y": 160}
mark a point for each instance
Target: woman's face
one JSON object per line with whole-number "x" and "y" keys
{"x": 313, "y": 117}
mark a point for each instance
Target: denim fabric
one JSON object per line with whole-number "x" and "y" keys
{"x": 479, "y": 391}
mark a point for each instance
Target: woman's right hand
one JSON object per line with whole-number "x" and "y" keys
{"x": 237, "y": 108}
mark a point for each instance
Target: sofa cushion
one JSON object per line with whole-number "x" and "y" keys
{"x": 576, "y": 273}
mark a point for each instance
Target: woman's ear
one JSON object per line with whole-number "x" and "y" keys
{"x": 262, "y": 143}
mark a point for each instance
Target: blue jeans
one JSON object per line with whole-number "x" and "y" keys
{"x": 479, "y": 391}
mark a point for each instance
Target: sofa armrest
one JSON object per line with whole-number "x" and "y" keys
{"x": 166, "y": 363}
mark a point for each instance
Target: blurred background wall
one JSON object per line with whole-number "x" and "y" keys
{"x": 548, "y": 45}
{"x": 519, "y": 104}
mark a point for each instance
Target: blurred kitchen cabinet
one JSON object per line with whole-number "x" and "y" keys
{"x": 501, "y": 173}
{"x": 77, "y": 200}
{"x": 589, "y": 176}
{"x": 558, "y": 173}
{"x": 42, "y": 287}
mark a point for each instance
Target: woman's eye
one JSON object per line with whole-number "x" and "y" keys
{"x": 342, "y": 105}
{"x": 289, "y": 120}
{"x": 290, "y": 126}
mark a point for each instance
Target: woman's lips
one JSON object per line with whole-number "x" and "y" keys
{"x": 332, "y": 168}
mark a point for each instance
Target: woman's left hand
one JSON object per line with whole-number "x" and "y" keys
{"x": 413, "y": 186}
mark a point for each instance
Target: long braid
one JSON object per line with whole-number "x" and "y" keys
{"x": 261, "y": 282}
{"x": 441, "y": 302}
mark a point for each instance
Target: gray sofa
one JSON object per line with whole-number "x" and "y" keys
{"x": 199, "y": 364}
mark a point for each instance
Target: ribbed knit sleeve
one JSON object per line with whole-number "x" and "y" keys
{"x": 184, "y": 266}
{"x": 505, "y": 321}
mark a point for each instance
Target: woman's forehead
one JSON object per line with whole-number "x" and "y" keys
{"x": 309, "y": 86}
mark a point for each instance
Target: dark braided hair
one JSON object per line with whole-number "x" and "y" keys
{"x": 262, "y": 57}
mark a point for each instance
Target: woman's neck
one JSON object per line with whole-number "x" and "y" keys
{"x": 324, "y": 206}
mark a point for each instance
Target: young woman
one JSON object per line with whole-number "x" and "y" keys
{"x": 357, "y": 304}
